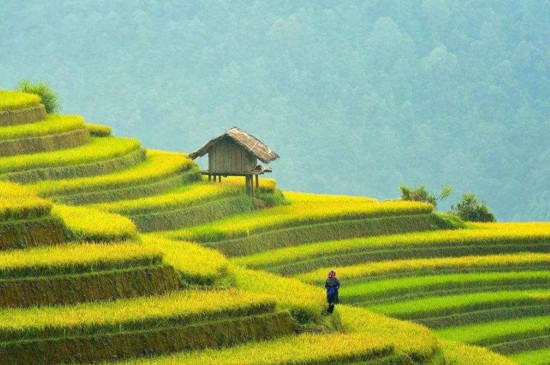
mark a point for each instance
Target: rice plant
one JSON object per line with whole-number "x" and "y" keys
{"x": 19, "y": 202}
{"x": 461, "y": 303}
{"x": 14, "y": 100}
{"x": 457, "y": 353}
{"x": 495, "y": 332}
{"x": 436, "y": 239}
{"x": 75, "y": 257}
{"x": 438, "y": 285}
{"x": 190, "y": 306}
{"x": 532, "y": 357}
{"x": 87, "y": 224}
{"x": 98, "y": 149}
{"x": 375, "y": 269}
{"x": 53, "y": 124}
{"x": 194, "y": 263}
{"x": 181, "y": 197}
{"x": 98, "y": 130}
{"x": 158, "y": 165}
{"x": 304, "y": 209}
{"x": 306, "y": 349}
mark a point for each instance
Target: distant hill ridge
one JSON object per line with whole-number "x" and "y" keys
{"x": 110, "y": 252}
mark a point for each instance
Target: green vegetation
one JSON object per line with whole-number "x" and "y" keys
{"x": 53, "y": 124}
{"x": 195, "y": 214}
{"x": 181, "y": 197}
{"x": 418, "y": 286}
{"x": 98, "y": 149}
{"x": 98, "y": 130}
{"x": 183, "y": 307}
{"x": 18, "y": 202}
{"x": 352, "y": 251}
{"x": 194, "y": 263}
{"x": 499, "y": 331}
{"x": 534, "y": 357}
{"x": 469, "y": 208}
{"x": 308, "y": 349}
{"x": 82, "y": 224}
{"x": 47, "y": 96}
{"x": 76, "y": 258}
{"x": 463, "y": 303}
{"x": 304, "y": 209}
{"x": 110, "y": 290}
{"x": 420, "y": 194}
{"x": 12, "y": 100}
{"x": 432, "y": 265}
{"x": 459, "y": 354}
{"x": 158, "y": 165}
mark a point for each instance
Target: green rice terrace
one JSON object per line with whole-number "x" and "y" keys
{"x": 112, "y": 253}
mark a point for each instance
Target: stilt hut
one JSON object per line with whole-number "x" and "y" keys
{"x": 236, "y": 153}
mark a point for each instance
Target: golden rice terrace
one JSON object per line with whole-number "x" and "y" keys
{"x": 112, "y": 253}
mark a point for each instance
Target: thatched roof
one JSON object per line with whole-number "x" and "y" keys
{"x": 248, "y": 141}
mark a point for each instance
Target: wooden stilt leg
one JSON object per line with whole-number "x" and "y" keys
{"x": 209, "y": 177}
{"x": 257, "y": 181}
{"x": 248, "y": 182}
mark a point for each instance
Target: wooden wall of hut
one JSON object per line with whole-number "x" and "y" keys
{"x": 226, "y": 156}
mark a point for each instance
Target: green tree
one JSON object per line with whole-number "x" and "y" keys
{"x": 469, "y": 208}
{"x": 420, "y": 194}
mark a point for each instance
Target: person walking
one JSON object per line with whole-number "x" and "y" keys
{"x": 332, "y": 285}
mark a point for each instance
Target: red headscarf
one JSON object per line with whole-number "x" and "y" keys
{"x": 332, "y": 274}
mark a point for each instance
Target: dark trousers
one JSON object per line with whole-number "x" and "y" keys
{"x": 332, "y": 300}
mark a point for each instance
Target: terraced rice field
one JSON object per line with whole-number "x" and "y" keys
{"x": 494, "y": 293}
{"x": 13, "y": 100}
{"x": 224, "y": 279}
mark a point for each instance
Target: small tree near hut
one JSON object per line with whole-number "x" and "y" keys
{"x": 420, "y": 194}
{"x": 470, "y": 208}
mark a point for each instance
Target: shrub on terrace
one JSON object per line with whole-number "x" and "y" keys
{"x": 42, "y": 89}
{"x": 420, "y": 194}
{"x": 470, "y": 208}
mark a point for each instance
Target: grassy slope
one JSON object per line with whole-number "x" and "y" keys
{"x": 53, "y": 124}
{"x": 12, "y": 100}
{"x": 364, "y": 334}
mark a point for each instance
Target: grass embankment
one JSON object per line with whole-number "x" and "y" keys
{"x": 300, "y": 350}
{"x": 158, "y": 165}
{"x": 92, "y": 332}
{"x": 431, "y": 285}
{"x": 76, "y": 258}
{"x": 53, "y": 124}
{"x": 194, "y": 263}
{"x": 449, "y": 305}
{"x": 504, "y": 336}
{"x": 382, "y": 269}
{"x": 177, "y": 308}
{"x": 13, "y": 100}
{"x": 368, "y": 338}
{"x": 533, "y": 357}
{"x": 97, "y": 149}
{"x": 92, "y": 225}
{"x": 457, "y": 353}
{"x": 307, "y": 218}
{"x": 19, "y": 202}
{"x": 418, "y": 244}
{"x": 264, "y": 184}
{"x": 181, "y": 197}
{"x": 159, "y": 173}
{"x": 98, "y": 130}
{"x": 76, "y": 272}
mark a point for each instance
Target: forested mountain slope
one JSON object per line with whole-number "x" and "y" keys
{"x": 383, "y": 93}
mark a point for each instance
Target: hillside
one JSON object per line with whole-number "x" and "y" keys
{"x": 384, "y": 92}
{"x": 113, "y": 253}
